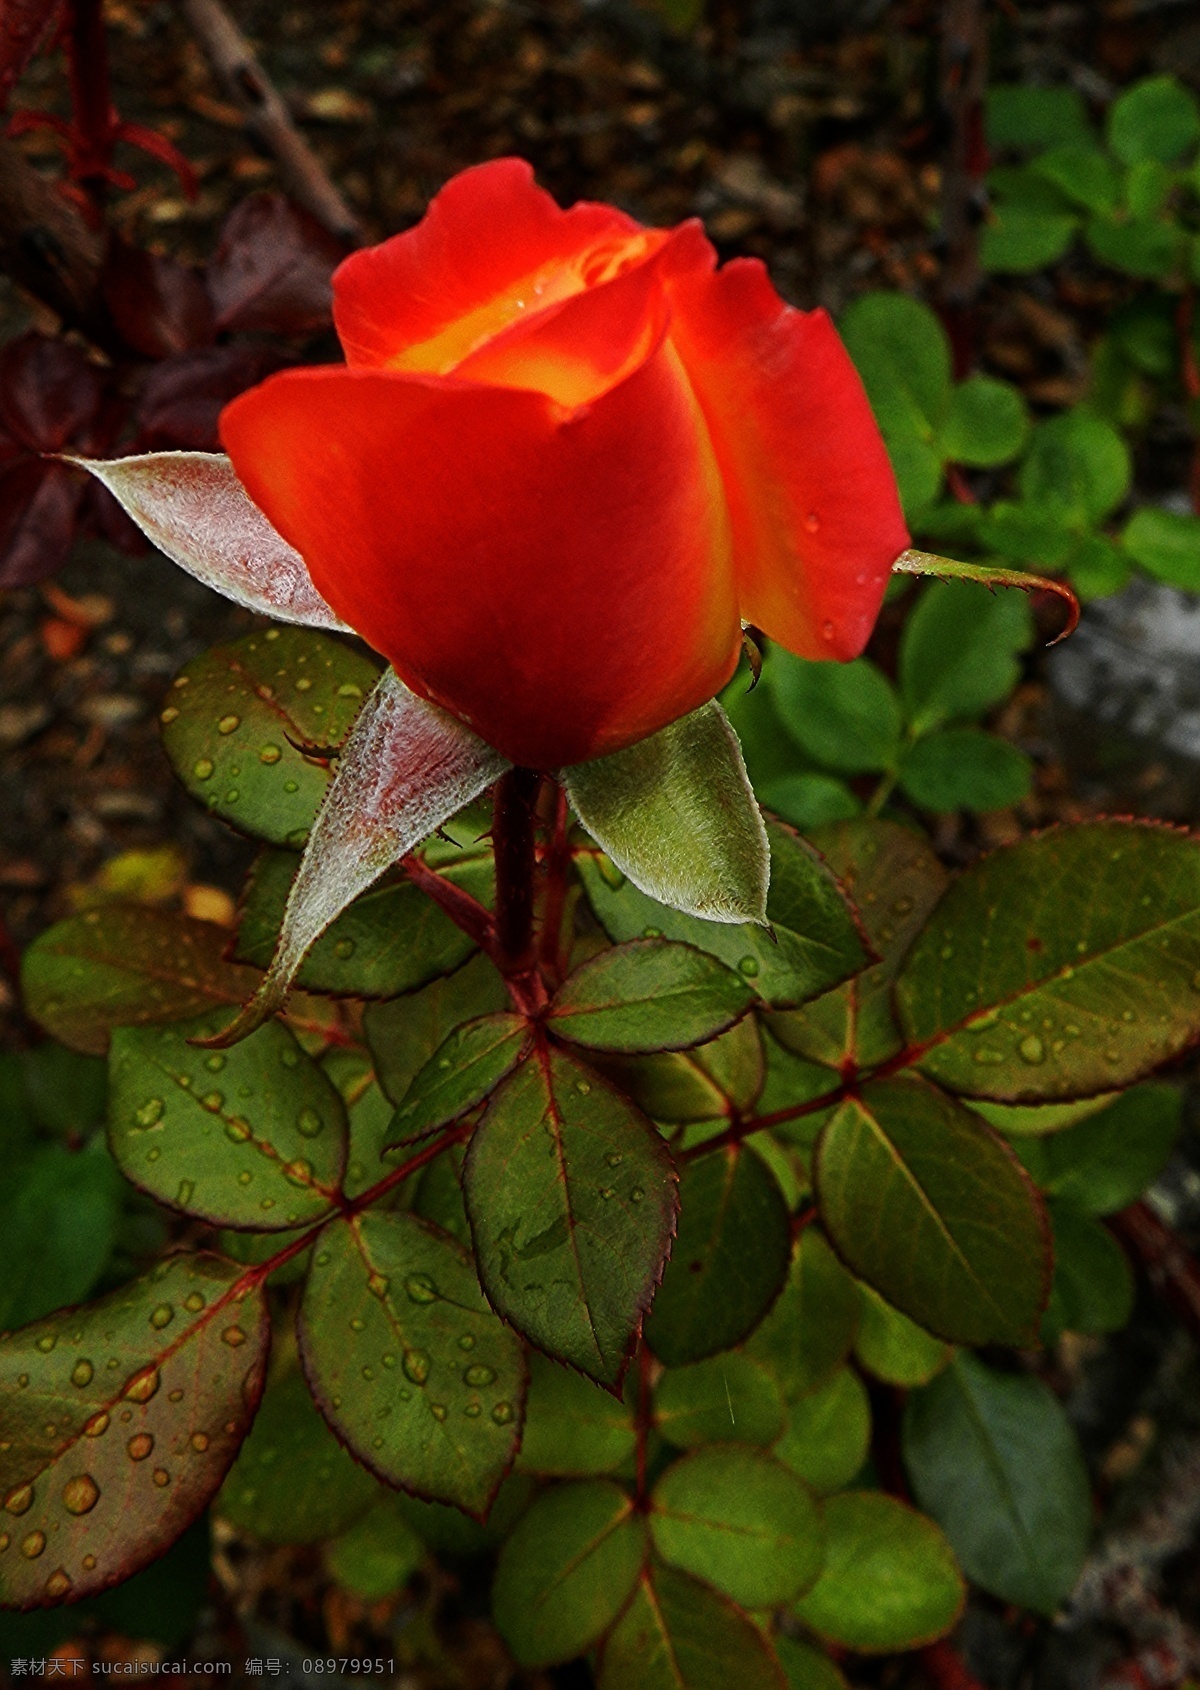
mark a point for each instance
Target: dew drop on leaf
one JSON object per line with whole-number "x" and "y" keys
{"x": 193, "y": 1302}
{"x": 420, "y": 1288}
{"x": 344, "y": 948}
{"x": 503, "y": 1413}
{"x": 81, "y": 1373}
{"x": 478, "y": 1375}
{"x": 636, "y": 1195}
{"x": 377, "y": 1284}
{"x": 299, "y": 1172}
{"x": 212, "y": 1101}
{"x": 187, "y": 1190}
{"x": 472, "y": 1410}
{"x": 614, "y": 1158}
{"x": 229, "y": 724}
{"x": 1031, "y": 1049}
{"x": 81, "y": 1494}
{"x": 151, "y": 1112}
{"x": 416, "y": 1366}
{"x": 47, "y": 1343}
{"x": 20, "y": 1500}
{"x": 467, "y": 1341}
{"x": 270, "y": 754}
{"x": 161, "y": 1477}
{"x": 143, "y": 1385}
{"x": 162, "y": 1316}
{"x": 987, "y": 1057}
{"x": 748, "y": 966}
{"x": 203, "y": 768}
{"x": 140, "y": 1445}
{"x": 96, "y": 1426}
{"x": 233, "y": 1336}
{"x": 32, "y": 1546}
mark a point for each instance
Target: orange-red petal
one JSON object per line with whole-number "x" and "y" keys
{"x": 817, "y": 522}
{"x": 561, "y": 582}
{"x": 491, "y": 248}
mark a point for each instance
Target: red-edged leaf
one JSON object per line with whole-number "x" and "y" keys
{"x": 49, "y": 393}
{"x": 158, "y": 305}
{"x": 39, "y": 505}
{"x": 120, "y": 1421}
{"x": 272, "y": 268}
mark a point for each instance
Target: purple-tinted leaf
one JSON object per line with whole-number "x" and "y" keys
{"x": 24, "y": 26}
{"x": 192, "y": 506}
{"x": 183, "y": 397}
{"x": 406, "y": 768}
{"x": 39, "y": 503}
{"x": 49, "y": 393}
{"x": 120, "y": 1421}
{"x": 272, "y": 268}
{"x": 158, "y": 305}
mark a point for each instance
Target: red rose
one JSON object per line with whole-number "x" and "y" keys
{"x": 565, "y": 460}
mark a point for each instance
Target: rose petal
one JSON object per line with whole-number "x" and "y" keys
{"x": 406, "y": 768}
{"x": 491, "y": 247}
{"x": 816, "y": 516}
{"x": 192, "y": 506}
{"x": 561, "y": 584}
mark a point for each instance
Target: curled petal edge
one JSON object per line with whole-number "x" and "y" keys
{"x": 192, "y": 506}
{"x": 406, "y": 768}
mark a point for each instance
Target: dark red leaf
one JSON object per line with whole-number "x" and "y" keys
{"x": 49, "y": 393}
{"x": 158, "y": 306}
{"x": 183, "y": 396}
{"x": 38, "y": 506}
{"x": 272, "y": 268}
{"x": 24, "y": 26}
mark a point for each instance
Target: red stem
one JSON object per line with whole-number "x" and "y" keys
{"x": 514, "y": 844}
{"x": 1168, "y": 1263}
{"x": 91, "y": 98}
{"x": 464, "y": 911}
{"x": 558, "y": 860}
{"x": 643, "y": 1421}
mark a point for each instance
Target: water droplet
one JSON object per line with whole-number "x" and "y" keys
{"x": 237, "y": 1130}
{"x": 467, "y": 1341}
{"x": 377, "y": 1284}
{"x": 981, "y": 1023}
{"x": 652, "y": 932}
{"x": 212, "y": 1101}
{"x": 344, "y": 948}
{"x": 1031, "y": 1049}
{"x": 81, "y": 1494}
{"x": 270, "y": 754}
{"x": 47, "y": 1343}
{"x": 827, "y": 630}
{"x": 389, "y": 1360}
{"x": 357, "y": 1325}
{"x": 203, "y": 768}
{"x": 902, "y": 906}
{"x": 987, "y": 1057}
{"x": 32, "y": 1546}
{"x": 58, "y": 1584}
{"x": 96, "y": 1426}
{"x": 416, "y": 1366}
{"x": 175, "y": 1395}
{"x": 151, "y": 1112}
{"x": 368, "y": 1373}
{"x": 89, "y": 1563}
{"x": 472, "y": 1410}
{"x": 19, "y": 1501}
{"x": 161, "y": 1477}
{"x": 607, "y": 1191}
{"x": 291, "y": 786}
{"x": 479, "y": 1375}
{"x": 614, "y": 1158}
{"x": 140, "y": 1445}
{"x": 420, "y": 1288}
{"x": 187, "y": 1190}
{"x": 168, "y": 715}
{"x": 1112, "y": 1056}
{"x": 233, "y": 1336}
{"x": 162, "y": 1316}
{"x": 5, "y": 1540}
{"x": 503, "y": 1413}
{"x": 81, "y": 1373}
{"x": 323, "y": 1259}
{"x": 143, "y": 1385}
{"x": 349, "y": 690}
{"x": 438, "y": 1410}
{"x": 636, "y": 1195}
{"x": 299, "y": 1172}
{"x": 245, "y": 1177}
{"x": 812, "y": 522}
{"x": 229, "y": 724}
{"x": 153, "y": 1155}
{"x": 946, "y": 952}
{"x": 199, "y": 1442}
{"x": 748, "y": 966}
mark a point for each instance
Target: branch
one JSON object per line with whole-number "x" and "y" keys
{"x": 301, "y": 173}
{"x": 963, "y": 75}
{"x": 48, "y": 249}
{"x": 1166, "y": 1260}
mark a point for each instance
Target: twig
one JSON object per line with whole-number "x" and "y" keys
{"x": 48, "y": 249}
{"x": 301, "y": 172}
{"x": 1167, "y": 1262}
{"x": 963, "y": 70}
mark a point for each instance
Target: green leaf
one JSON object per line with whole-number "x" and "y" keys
{"x": 466, "y": 1068}
{"x": 648, "y": 995}
{"x": 702, "y": 1084}
{"x": 846, "y": 715}
{"x": 740, "y": 1521}
{"x": 253, "y": 1137}
{"x": 405, "y": 1033}
{"x": 1147, "y": 188}
{"x": 807, "y": 1668}
{"x": 1083, "y": 173}
{"x": 408, "y": 1364}
{"x": 66, "y": 1091}
{"x": 1104, "y": 1162}
{"x": 241, "y": 718}
{"x": 1064, "y": 965}
{"x": 986, "y": 424}
{"x": 1157, "y": 118}
{"x": 377, "y": 1556}
{"x": 438, "y": 1197}
{"x": 1021, "y": 1120}
{"x": 813, "y": 945}
{"x": 292, "y": 1481}
{"x": 1166, "y": 544}
{"x": 1026, "y": 118}
{"x": 393, "y": 939}
{"x": 893, "y": 1347}
{"x": 1078, "y": 461}
{"x": 890, "y": 1580}
{"x": 573, "y": 1429}
{"x": 370, "y": 1114}
{"x": 929, "y": 1206}
{"x": 807, "y": 800}
{"x": 676, "y": 813}
{"x": 811, "y": 1329}
{"x": 1017, "y": 239}
{"x": 729, "y": 1259}
{"x": 572, "y": 1199}
{"x": 125, "y": 965}
{"x": 965, "y": 769}
{"x": 828, "y": 1432}
{"x": 450, "y": 1532}
{"x": 678, "y": 1634}
{"x": 995, "y": 1460}
{"x": 1043, "y": 535}
{"x": 903, "y": 356}
{"x": 959, "y": 652}
{"x": 1099, "y": 567}
{"x": 727, "y": 1399}
{"x": 94, "y": 1496}
{"x": 1141, "y": 246}
{"x": 1093, "y": 1289}
{"x": 59, "y": 1214}
{"x": 895, "y": 879}
{"x": 567, "y": 1571}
